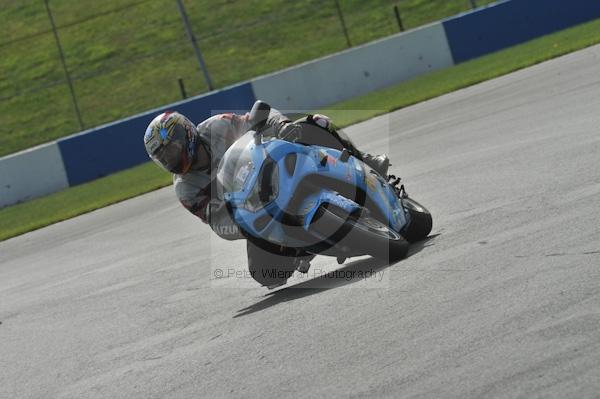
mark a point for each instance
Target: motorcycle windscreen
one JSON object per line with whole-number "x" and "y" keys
{"x": 235, "y": 166}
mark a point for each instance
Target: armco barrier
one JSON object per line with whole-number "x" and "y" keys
{"x": 356, "y": 71}
{"x": 31, "y": 173}
{"x": 117, "y": 146}
{"x": 507, "y": 23}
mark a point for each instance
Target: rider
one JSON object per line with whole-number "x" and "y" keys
{"x": 192, "y": 153}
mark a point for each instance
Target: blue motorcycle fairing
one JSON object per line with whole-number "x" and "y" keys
{"x": 310, "y": 161}
{"x": 312, "y": 203}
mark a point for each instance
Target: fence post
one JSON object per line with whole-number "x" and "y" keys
{"x": 64, "y": 65}
{"x": 182, "y": 88}
{"x": 192, "y": 38}
{"x": 397, "y": 12}
{"x": 339, "y": 10}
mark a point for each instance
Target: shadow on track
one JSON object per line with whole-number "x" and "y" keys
{"x": 330, "y": 280}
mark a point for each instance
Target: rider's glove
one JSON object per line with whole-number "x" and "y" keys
{"x": 221, "y": 222}
{"x": 290, "y": 132}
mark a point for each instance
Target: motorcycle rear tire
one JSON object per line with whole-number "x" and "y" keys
{"x": 268, "y": 264}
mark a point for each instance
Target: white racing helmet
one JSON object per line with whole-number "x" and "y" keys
{"x": 171, "y": 140}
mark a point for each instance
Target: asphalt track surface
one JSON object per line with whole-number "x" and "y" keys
{"x": 502, "y": 302}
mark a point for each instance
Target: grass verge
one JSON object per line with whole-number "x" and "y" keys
{"x": 466, "y": 74}
{"x": 21, "y": 218}
{"x": 40, "y": 212}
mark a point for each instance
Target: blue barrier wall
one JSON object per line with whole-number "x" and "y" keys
{"x": 511, "y": 22}
{"x": 117, "y": 146}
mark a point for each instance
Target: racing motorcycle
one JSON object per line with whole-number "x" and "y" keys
{"x": 316, "y": 199}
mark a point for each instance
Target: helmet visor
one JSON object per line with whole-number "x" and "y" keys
{"x": 172, "y": 156}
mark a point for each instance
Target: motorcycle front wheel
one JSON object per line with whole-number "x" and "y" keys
{"x": 359, "y": 235}
{"x": 420, "y": 223}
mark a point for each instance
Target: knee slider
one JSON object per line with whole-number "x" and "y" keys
{"x": 322, "y": 121}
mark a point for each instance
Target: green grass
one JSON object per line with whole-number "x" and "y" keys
{"x": 128, "y": 61}
{"x": 28, "y": 216}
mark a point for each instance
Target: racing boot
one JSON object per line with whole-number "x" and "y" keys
{"x": 380, "y": 163}
{"x": 303, "y": 263}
